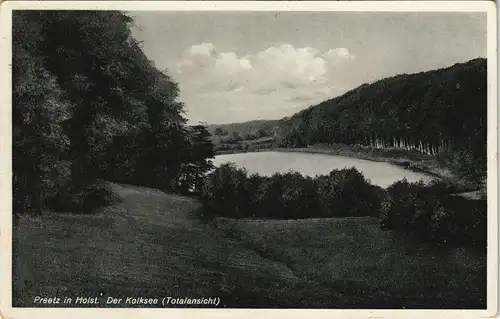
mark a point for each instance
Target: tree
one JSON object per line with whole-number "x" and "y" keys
{"x": 39, "y": 110}
{"x": 97, "y": 65}
{"x": 224, "y": 189}
{"x": 198, "y": 161}
{"x": 88, "y": 105}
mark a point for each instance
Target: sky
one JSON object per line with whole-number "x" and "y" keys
{"x": 240, "y": 66}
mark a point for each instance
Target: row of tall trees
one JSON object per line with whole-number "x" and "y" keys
{"x": 88, "y": 105}
{"x": 232, "y": 192}
{"x": 436, "y": 112}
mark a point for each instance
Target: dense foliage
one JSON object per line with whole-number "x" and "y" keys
{"x": 230, "y": 191}
{"x": 88, "y": 105}
{"x": 436, "y": 112}
{"x": 431, "y": 213}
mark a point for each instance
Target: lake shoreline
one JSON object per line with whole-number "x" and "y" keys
{"x": 425, "y": 164}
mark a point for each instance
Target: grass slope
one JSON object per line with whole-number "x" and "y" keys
{"x": 152, "y": 244}
{"x": 369, "y": 267}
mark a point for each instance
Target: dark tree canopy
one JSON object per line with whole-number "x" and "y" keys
{"x": 89, "y": 105}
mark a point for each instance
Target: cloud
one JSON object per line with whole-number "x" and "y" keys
{"x": 229, "y": 61}
{"x": 274, "y": 79}
{"x": 197, "y": 57}
{"x": 338, "y": 54}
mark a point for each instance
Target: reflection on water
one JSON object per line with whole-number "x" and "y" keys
{"x": 268, "y": 163}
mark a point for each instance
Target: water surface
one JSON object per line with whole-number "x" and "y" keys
{"x": 268, "y": 163}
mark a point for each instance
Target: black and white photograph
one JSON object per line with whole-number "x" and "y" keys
{"x": 252, "y": 158}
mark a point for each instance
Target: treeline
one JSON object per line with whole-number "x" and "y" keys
{"x": 429, "y": 212}
{"x": 244, "y": 146}
{"x": 88, "y": 105}
{"x": 232, "y": 192}
{"x": 235, "y": 137}
{"x": 441, "y": 112}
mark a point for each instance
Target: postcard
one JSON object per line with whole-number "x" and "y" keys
{"x": 295, "y": 159}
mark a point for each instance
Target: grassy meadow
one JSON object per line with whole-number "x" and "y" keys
{"x": 370, "y": 268}
{"x": 150, "y": 244}
{"x": 154, "y": 244}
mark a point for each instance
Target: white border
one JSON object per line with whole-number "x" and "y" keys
{"x": 6, "y": 311}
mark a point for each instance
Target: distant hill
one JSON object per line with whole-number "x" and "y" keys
{"x": 244, "y": 128}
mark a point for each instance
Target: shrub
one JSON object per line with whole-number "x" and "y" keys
{"x": 347, "y": 193}
{"x": 85, "y": 200}
{"x": 296, "y": 197}
{"x": 432, "y": 213}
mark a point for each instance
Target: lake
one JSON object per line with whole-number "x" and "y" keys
{"x": 268, "y": 163}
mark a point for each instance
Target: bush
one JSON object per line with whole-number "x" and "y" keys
{"x": 85, "y": 200}
{"x": 432, "y": 213}
{"x": 347, "y": 193}
{"x": 288, "y": 195}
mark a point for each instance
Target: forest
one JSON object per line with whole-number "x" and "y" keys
{"x": 439, "y": 112}
{"x": 88, "y": 106}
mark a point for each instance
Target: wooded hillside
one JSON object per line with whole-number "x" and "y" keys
{"x": 440, "y": 112}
